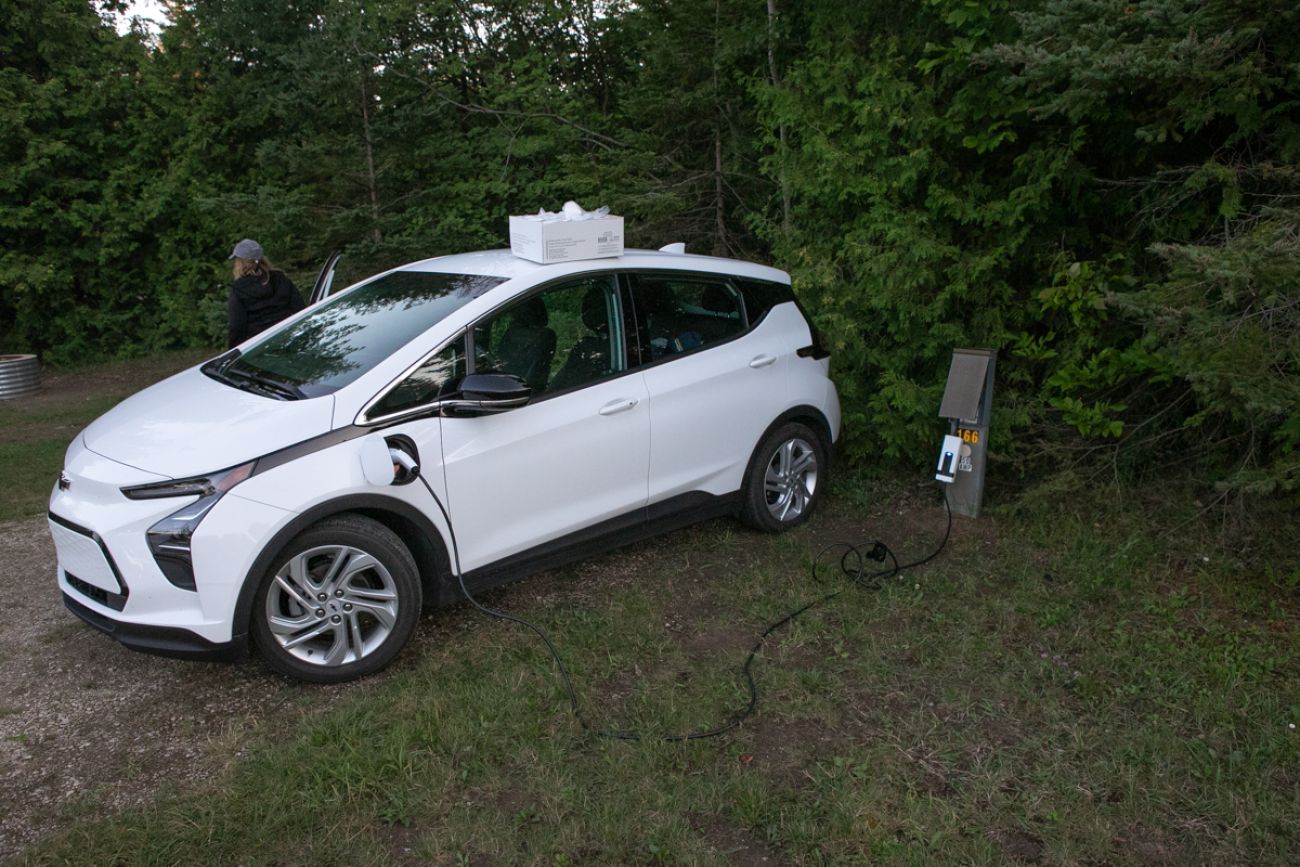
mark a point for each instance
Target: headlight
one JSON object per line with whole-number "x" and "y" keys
{"x": 204, "y": 486}
{"x": 169, "y": 539}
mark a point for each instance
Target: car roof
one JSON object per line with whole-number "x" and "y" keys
{"x": 503, "y": 263}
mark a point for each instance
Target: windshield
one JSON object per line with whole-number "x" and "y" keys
{"x": 348, "y": 334}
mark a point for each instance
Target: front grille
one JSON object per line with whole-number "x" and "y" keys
{"x": 99, "y": 594}
{"x": 116, "y": 601}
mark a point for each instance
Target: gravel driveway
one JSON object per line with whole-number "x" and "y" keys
{"x": 88, "y": 727}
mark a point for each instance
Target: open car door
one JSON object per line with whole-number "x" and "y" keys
{"x": 324, "y": 284}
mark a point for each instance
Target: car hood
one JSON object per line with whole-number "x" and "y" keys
{"x": 192, "y": 424}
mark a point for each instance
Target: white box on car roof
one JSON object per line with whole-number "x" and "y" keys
{"x": 549, "y": 241}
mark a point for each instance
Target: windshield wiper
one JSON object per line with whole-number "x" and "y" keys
{"x": 223, "y": 370}
{"x": 216, "y": 368}
{"x": 269, "y": 386}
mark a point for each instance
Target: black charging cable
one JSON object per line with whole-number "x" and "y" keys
{"x": 853, "y": 567}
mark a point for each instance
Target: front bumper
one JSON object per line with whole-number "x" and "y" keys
{"x": 160, "y": 640}
{"x": 105, "y": 565}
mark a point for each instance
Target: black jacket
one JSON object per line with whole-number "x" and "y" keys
{"x": 256, "y": 306}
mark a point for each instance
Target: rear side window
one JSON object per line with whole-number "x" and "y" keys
{"x": 682, "y": 313}
{"x": 761, "y": 296}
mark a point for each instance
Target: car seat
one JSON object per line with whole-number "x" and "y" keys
{"x": 589, "y": 359}
{"x": 528, "y": 345}
{"x": 660, "y": 316}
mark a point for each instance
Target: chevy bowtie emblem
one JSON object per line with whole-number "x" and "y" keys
{"x": 64, "y": 481}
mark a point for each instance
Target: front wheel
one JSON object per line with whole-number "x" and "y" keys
{"x": 785, "y": 479}
{"x": 340, "y": 603}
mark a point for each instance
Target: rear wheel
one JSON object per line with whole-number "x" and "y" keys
{"x": 785, "y": 478}
{"x": 340, "y": 602}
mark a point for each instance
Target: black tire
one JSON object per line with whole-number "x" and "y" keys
{"x": 757, "y": 503}
{"x": 356, "y": 611}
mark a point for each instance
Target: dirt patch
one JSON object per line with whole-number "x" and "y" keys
{"x": 786, "y": 750}
{"x": 775, "y": 734}
{"x": 740, "y": 846}
{"x": 703, "y": 641}
{"x": 88, "y": 727}
{"x": 1148, "y": 847}
{"x": 1020, "y": 846}
{"x": 403, "y": 843}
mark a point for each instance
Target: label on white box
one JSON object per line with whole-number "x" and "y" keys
{"x": 548, "y": 241}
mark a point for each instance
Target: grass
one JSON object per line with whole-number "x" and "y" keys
{"x": 1065, "y": 686}
{"x": 1108, "y": 679}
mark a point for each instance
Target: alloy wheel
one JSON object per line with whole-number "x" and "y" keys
{"x": 332, "y": 605}
{"x": 791, "y": 479}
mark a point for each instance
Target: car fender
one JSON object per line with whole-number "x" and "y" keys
{"x": 807, "y": 414}
{"x": 314, "y": 484}
{"x": 378, "y": 506}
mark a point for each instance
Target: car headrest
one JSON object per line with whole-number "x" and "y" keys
{"x": 530, "y": 314}
{"x": 654, "y": 299}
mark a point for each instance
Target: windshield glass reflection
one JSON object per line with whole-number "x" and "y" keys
{"x": 348, "y": 334}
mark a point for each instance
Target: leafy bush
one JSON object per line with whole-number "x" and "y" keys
{"x": 1106, "y": 191}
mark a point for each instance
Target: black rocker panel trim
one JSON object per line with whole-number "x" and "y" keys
{"x": 116, "y": 601}
{"x": 690, "y": 508}
{"x": 671, "y": 514}
{"x": 158, "y": 640}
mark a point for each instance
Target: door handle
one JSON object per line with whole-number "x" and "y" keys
{"x": 761, "y": 361}
{"x": 621, "y": 405}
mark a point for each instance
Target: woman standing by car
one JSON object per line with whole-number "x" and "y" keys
{"x": 260, "y": 296}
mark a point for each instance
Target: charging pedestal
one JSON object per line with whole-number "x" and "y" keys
{"x": 967, "y": 404}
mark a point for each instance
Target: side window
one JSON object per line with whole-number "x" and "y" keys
{"x": 428, "y": 382}
{"x": 761, "y": 296}
{"x": 683, "y": 313}
{"x": 567, "y": 336}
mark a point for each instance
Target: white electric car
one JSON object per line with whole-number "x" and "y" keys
{"x": 313, "y": 488}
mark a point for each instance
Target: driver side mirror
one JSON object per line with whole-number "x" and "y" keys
{"x": 485, "y": 393}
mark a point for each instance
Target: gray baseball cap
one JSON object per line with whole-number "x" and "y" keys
{"x": 247, "y": 249}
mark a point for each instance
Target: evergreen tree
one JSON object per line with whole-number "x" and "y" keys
{"x": 1104, "y": 190}
{"x": 66, "y": 92}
